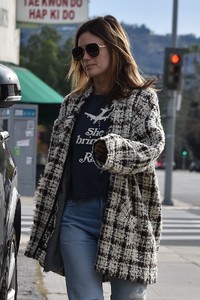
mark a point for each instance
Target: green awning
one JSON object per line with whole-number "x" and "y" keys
{"x": 34, "y": 90}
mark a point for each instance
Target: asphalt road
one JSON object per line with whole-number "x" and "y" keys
{"x": 185, "y": 186}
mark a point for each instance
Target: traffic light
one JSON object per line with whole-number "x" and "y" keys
{"x": 184, "y": 153}
{"x": 173, "y": 68}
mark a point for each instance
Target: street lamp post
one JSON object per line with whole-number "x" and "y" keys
{"x": 171, "y": 121}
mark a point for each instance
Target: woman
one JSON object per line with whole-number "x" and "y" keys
{"x": 98, "y": 211}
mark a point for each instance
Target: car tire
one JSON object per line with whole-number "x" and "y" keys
{"x": 13, "y": 285}
{"x": 10, "y": 285}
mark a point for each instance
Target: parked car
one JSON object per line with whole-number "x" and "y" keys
{"x": 10, "y": 204}
{"x": 194, "y": 166}
{"x": 159, "y": 164}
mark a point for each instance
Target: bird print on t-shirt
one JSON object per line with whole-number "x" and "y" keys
{"x": 101, "y": 116}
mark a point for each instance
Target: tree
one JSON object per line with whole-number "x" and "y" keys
{"x": 44, "y": 56}
{"x": 64, "y": 60}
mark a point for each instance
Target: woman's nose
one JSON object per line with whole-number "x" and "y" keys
{"x": 86, "y": 56}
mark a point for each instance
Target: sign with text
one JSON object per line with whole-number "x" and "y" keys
{"x": 51, "y": 12}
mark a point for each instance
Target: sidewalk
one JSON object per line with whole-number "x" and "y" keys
{"x": 178, "y": 272}
{"x": 179, "y": 277}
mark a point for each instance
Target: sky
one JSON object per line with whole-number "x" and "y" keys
{"x": 154, "y": 14}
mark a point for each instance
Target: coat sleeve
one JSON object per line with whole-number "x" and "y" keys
{"x": 130, "y": 156}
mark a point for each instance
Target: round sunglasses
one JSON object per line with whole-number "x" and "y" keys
{"x": 91, "y": 49}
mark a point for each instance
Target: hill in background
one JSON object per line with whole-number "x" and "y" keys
{"x": 147, "y": 47}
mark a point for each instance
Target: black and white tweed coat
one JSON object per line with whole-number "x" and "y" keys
{"x": 130, "y": 235}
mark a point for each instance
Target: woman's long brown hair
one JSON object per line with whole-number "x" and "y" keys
{"x": 123, "y": 73}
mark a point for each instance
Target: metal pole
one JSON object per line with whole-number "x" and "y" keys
{"x": 174, "y": 23}
{"x": 171, "y": 121}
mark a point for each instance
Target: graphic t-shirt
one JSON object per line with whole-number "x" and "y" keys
{"x": 91, "y": 124}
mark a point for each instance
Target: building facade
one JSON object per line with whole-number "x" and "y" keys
{"x": 9, "y": 35}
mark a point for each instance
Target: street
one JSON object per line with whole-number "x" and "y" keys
{"x": 181, "y": 230}
{"x": 185, "y": 186}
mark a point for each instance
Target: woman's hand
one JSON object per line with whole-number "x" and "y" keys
{"x": 100, "y": 151}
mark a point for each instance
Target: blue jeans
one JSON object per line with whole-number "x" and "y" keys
{"x": 79, "y": 233}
